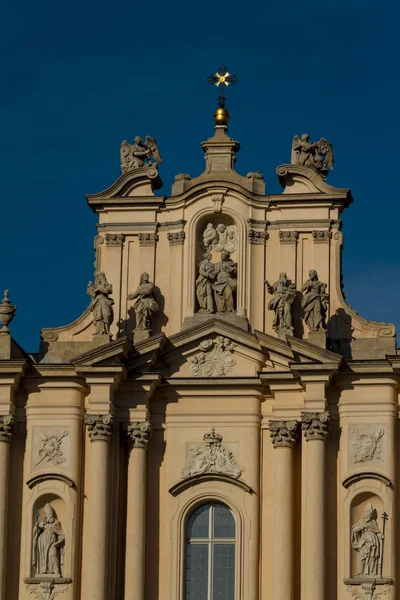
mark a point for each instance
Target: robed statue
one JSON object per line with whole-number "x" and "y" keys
{"x": 283, "y": 294}
{"x": 134, "y": 156}
{"x": 366, "y": 539}
{"x": 204, "y": 284}
{"x": 225, "y": 283}
{"x": 318, "y": 155}
{"x": 48, "y": 544}
{"x": 314, "y": 302}
{"x": 145, "y": 306}
{"x": 101, "y": 305}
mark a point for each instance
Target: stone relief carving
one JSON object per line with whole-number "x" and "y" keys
{"x": 115, "y": 239}
{"x": 148, "y": 239}
{"x": 133, "y": 156}
{"x": 215, "y": 359}
{"x": 100, "y": 427}
{"x": 317, "y": 155}
{"x": 367, "y": 591}
{"x": 314, "y": 302}
{"x": 283, "y": 294}
{"x": 223, "y": 237}
{"x": 257, "y": 237}
{"x": 7, "y": 426}
{"x": 50, "y": 447}
{"x": 283, "y": 433}
{"x": 216, "y": 284}
{"x": 176, "y": 238}
{"x": 288, "y": 237}
{"x": 212, "y": 457}
{"x": 321, "y": 237}
{"x": 138, "y": 434}
{"x": 46, "y": 590}
{"x": 145, "y": 306}
{"x": 367, "y": 444}
{"x": 367, "y": 539}
{"x": 101, "y": 304}
{"x": 315, "y": 425}
{"x": 48, "y": 544}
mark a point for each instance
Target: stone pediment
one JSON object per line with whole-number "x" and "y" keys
{"x": 298, "y": 179}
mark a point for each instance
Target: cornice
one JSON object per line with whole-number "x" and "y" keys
{"x": 180, "y": 487}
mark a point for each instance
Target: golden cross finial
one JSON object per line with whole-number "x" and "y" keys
{"x": 222, "y": 77}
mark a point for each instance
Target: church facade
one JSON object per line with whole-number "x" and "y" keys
{"x": 219, "y": 423}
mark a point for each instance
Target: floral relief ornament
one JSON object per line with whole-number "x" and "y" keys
{"x": 212, "y": 457}
{"x": 215, "y": 359}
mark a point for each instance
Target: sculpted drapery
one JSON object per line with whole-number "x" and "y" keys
{"x": 314, "y": 302}
{"x": 145, "y": 305}
{"x": 48, "y": 542}
{"x": 366, "y": 540}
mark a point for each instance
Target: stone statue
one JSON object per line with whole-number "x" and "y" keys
{"x": 283, "y": 296}
{"x": 204, "y": 289}
{"x": 366, "y": 539}
{"x": 223, "y": 237}
{"x": 48, "y": 543}
{"x": 146, "y": 305}
{"x": 101, "y": 304}
{"x": 225, "y": 283}
{"x": 134, "y": 156}
{"x": 314, "y": 302}
{"x": 312, "y": 154}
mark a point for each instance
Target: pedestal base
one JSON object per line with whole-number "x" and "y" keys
{"x": 140, "y": 336}
{"x": 318, "y": 338}
{"x": 282, "y": 333}
{"x": 232, "y": 318}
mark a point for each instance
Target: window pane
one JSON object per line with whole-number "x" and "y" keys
{"x": 224, "y": 572}
{"x": 224, "y": 523}
{"x": 198, "y": 523}
{"x": 196, "y": 572}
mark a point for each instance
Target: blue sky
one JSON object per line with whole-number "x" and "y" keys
{"x": 78, "y": 78}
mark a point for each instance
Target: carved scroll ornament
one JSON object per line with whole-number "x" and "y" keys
{"x": 215, "y": 359}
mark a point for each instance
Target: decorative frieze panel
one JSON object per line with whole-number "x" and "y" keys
{"x": 367, "y": 445}
{"x": 176, "y": 238}
{"x": 288, "y": 237}
{"x": 51, "y": 447}
{"x": 215, "y": 359}
{"x": 148, "y": 239}
{"x": 211, "y": 457}
{"x": 115, "y": 239}
{"x": 7, "y": 425}
{"x": 257, "y": 237}
{"x": 321, "y": 237}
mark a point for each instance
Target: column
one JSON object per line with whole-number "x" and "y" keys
{"x": 283, "y": 435}
{"x": 138, "y": 435}
{"x": 100, "y": 431}
{"x": 6, "y": 431}
{"x": 316, "y": 428}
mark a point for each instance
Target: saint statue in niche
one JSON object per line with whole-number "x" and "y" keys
{"x": 366, "y": 539}
{"x": 146, "y": 305}
{"x": 225, "y": 283}
{"x": 204, "y": 289}
{"x": 314, "y": 302}
{"x": 48, "y": 544}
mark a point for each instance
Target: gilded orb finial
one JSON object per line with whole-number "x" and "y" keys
{"x": 224, "y": 78}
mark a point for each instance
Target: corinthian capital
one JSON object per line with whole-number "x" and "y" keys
{"x": 138, "y": 434}
{"x": 100, "y": 427}
{"x": 7, "y": 425}
{"x": 315, "y": 425}
{"x": 283, "y": 433}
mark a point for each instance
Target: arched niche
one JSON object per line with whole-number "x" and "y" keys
{"x": 215, "y": 233}
{"x": 48, "y": 547}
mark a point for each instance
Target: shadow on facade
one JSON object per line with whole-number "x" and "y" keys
{"x": 340, "y": 333}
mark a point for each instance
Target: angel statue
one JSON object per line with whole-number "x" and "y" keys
{"x": 134, "y": 156}
{"x": 312, "y": 154}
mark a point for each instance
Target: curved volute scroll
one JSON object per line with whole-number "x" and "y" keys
{"x": 299, "y": 179}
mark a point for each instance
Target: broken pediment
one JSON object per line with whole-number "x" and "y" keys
{"x": 298, "y": 179}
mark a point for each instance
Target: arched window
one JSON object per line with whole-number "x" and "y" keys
{"x": 210, "y": 554}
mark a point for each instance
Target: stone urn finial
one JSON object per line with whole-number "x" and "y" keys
{"x": 7, "y": 312}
